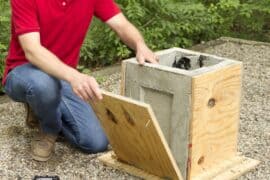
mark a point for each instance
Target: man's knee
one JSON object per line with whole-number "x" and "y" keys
{"x": 93, "y": 144}
{"x": 45, "y": 88}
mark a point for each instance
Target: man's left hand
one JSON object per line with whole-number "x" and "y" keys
{"x": 132, "y": 37}
{"x": 144, "y": 54}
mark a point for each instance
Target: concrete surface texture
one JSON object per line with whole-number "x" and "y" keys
{"x": 69, "y": 163}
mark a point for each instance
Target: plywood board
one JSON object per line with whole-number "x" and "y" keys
{"x": 110, "y": 159}
{"x": 135, "y": 135}
{"x": 229, "y": 169}
{"x": 215, "y": 118}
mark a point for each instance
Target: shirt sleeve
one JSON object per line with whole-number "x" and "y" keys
{"x": 106, "y": 9}
{"x": 24, "y": 16}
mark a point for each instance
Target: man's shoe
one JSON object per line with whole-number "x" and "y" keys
{"x": 31, "y": 119}
{"x": 33, "y": 122}
{"x": 42, "y": 147}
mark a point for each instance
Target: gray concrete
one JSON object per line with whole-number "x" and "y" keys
{"x": 168, "y": 90}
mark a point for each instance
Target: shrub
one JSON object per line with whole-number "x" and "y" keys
{"x": 4, "y": 34}
{"x": 165, "y": 24}
{"x": 181, "y": 23}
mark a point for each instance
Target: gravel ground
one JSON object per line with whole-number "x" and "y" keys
{"x": 69, "y": 163}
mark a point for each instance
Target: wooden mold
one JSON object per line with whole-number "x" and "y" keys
{"x": 200, "y": 142}
{"x": 140, "y": 149}
{"x": 135, "y": 136}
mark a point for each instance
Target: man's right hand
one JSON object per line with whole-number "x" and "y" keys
{"x": 86, "y": 87}
{"x": 83, "y": 85}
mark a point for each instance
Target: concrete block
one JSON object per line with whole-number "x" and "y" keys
{"x": 171, "y": 92}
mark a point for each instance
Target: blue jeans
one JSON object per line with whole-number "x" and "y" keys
{"x": 57, "y": 107}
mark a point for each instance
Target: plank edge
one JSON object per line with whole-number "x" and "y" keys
{"x": 123, "y": 79}
{"x": 125, "y": 99}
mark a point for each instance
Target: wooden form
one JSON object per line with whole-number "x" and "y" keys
{"x": 200, "y": 142}
{"x": 215, "y": 115}
{"x": 110, "y": 159}
{"x": 151, "y": 152}
{"x": 228, "y": 170}
{"x": 135, "y": 135}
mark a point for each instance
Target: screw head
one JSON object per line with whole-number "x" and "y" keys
{"x": 211, "y": 103}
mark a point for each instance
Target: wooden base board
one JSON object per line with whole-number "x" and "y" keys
{"x": 230, "y": 169}
{"x": 110, "y": 159}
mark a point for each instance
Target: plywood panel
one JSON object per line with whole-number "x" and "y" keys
{"x": 229, "y": 169}
{"x": 215, "y": 118}
{"x": 110, "y": 159}
{"x": 135, "y": 135}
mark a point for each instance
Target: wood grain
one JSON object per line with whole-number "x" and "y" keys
{"x": 110, "y": 159}
{"x": 215, "y": 118}
{"x": 135, "y": 135}
{"x": 229, "y": 169}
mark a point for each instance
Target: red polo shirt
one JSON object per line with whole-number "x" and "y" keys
{"x": 62, "y": 25}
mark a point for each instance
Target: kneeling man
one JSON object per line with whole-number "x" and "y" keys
{"x": 41, "y": 68}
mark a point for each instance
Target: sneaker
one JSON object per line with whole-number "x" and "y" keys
{"x": 42, "y": 147}
{"x": 31, "y": 119}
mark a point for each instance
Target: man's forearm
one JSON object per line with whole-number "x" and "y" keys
{"x": 49, "y": 63}
{"x": 83, "y": 85}
{"x": 43, "y": 58}
{"x": 126, "y": 31}
{"x": 131, "y": 36}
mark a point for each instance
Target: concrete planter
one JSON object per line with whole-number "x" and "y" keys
{"x": 197, "y": 109}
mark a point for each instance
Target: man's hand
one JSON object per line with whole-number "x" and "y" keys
{"x": 86, "y": 87}
{"x": 132, "y": 37}
{"x": 144, "y": 54}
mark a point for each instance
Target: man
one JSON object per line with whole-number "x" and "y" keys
{"x": 40, "y": 68}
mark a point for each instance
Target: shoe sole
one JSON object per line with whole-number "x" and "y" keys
{"x": 41, "y": 159}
